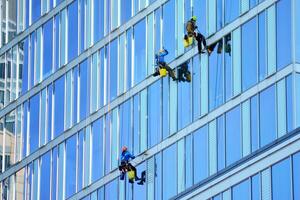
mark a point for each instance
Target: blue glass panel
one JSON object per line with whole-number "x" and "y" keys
{"x": 54, "y": 173}
{"x": 201, "y": 13}
{"x": 184, "y": 104}
{"x": 255, "y": 187}
{"x": 129, "y": 59}
{"x": 296, "y": 176}
{"x": 71, "y": 166}
{"x": 73, "y": 30}
{"x": 82, "y": 25}
{"x": 56, "y": 43}
{"x": 84, "y": 103}
{"x": 267, "y": 116}
{"x": 281, "y": 180}
{"x": 59, "y": 99}
{"x": 218, "y": 197}
{"x": 99, "y": 20}
{"x": 35, "y": 10}
{"x": 158, "y": 176}
{"x": 107, "y": 143}
{"x": 233, "y": 136}
{"x": 289, "y": 103}
{"x": 112, "y": 57}
{"x": 97, "y": 149}
{"x": 25, "y": 134}
{"x": 157, "y": 27}
{"x": 254, "y": 123}
{"x": 284, "y": 30}
{"x": 101, "y": 76}
{"x": 139, "y": 51}
{"x": 108, "y": 19}
{"x": 249, "y": 54}
{"x": 154, "y": 114}
{"x": 200, "y": 152}
{"x": 169, "y": 29}
{"x": 80, "y": 160}
{"x": 166, "y": 108}
{"x": 216, "y": 76}
{"x": 140, "y": 192}
{"x": 221, "y": 142}
{"x": 241, "y": 191}
{"x": 253, "y": 3}
{"x": 136, "y": 127}
{"x": 126, "y": 8}
{"x": 228, "y": 68}
{"x": 45, "y": 176}
{"x": 111, "y": 190}
{"x": 297, "y": 30}
{"x": 49, "y": 119}
{"x": 32, "y": 50}
{"x": 262, "y": 52}
{"x": 75, "y": 95}
{"x": 24, "y": 64}
{"x": 188, "y": 161}
{"x": 59, "y": 1}
{"x": 219, "y": 14}
{"x": 196, "y": 87}
{"x": 48, "y": 48}
{"x": 125, "y": 125}
{"x": 169, "y": 172}
{"x": 34, "y": 123}
{"x": 232, "y": 9}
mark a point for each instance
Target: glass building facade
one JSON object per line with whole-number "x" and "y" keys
{"x": 76, "y": 85}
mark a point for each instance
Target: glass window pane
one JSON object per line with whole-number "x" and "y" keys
{"x": 68, "y": 100}
{"x": 34, "y": 123}
{"x": 221, "y": 142}
{"x": 71, "y": 166}
{"x": 233, "y": 136}
{"x": 289, "y": 103}
{"x": 43, "y": 122}
{"x": 255, "y": 187}
{"x": 111, "y": 190}
{"x": 196, "y": 87}
{"x": 99, "y": 19}
{"x": 83, "y": 101}
{"x": 216, "y": 76}
{"x": 23, "y": 66}
{"x": 61, "y": 172}
{"x": 48, "y": 48}
{"x": 10, "y": 132}
{"x": 169, "y": 172}
{"x": 126, "y": 137}
{"x": 212, "y": 17}
{"x": 281, "y": 180}
{"x": 271, "y": 42}
{"x": 267, "y": 116}
{"x": 231, "y": 10}
{"x": 246, "y": 128}
{"x": 144, "y": 112}
{"x": 87, "y": 156}
{"x": 107, "y": 143}
{"x": 94, "y": 82}
{"x": 140, "y": 192}
{"x": 112, "y": 66}
{"x": 297, "y": 30}
{"x": 284, "y": 30}
{"x": 54, "y": 173}
{"x": 249, "y": 54}
{"x": 254, "y": 115}
{"x": 45, "y": 163}
{"x": 154, "y": 114}
{"x": 59, "y": 96}
{"x": 296, "y": 176}
{"x": 189, "y": 161}
{"x": 97, "y": 149}
{"x": 139, "y": 51}
{"x": 20, "y": 182}
{"x": 63, "y": 38}
{"x": 80, "y": 160}
{"x": 262, "y": 51}
{"x": 236, "y": 62}
{"x": 169, "y": 29}
{"x": 128, "y": 59}
{"x": 166, "y": 108}
{"x": 114, "y": 138}
{"x": 184, "y": 96}
{"x": 126, "y": 8}
{"x": 200, "y": 152}
{"x": 73, "y": 30}
{"x": 241, "y": 191}
{"x": 35, "y": 10}
{"x": 281, "y": 107}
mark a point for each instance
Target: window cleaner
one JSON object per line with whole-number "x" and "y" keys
{"x": 162, "y": 68}
{"x": 125, "y": 166}
{"x": 188, "y": 40}
{"x": 183, "y": 72}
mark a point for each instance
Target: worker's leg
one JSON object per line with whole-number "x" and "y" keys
{"x": 156, "y": 73}
{"x": 180, "y": 74}
{"x": 143, "y": 178}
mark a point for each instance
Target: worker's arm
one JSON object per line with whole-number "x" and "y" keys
{"x": 131, "y": 156}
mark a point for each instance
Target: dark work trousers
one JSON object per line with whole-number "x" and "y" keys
{"x": 183, "y": 73}
{"x": 201, "y": 40}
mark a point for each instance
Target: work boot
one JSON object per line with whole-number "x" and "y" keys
{"x": 185, "y": 37}
{"x": 122, "y": 176}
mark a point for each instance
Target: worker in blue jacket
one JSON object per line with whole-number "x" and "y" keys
{"x": 161, "y": 64}
{"x": 125, "y": 166}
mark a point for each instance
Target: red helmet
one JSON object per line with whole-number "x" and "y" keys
{"x": 124, "y": 148}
